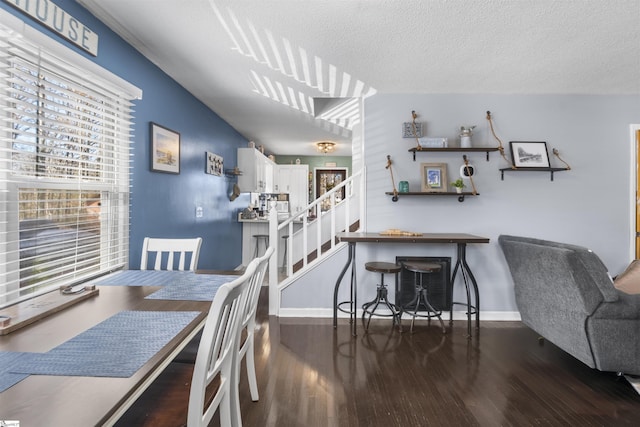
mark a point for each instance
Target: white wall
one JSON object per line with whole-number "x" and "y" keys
{"x": 588, "y": 205}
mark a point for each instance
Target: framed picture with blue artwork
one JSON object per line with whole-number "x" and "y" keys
{"x": 165, "y": 149}
{"x": 434, "y": 177}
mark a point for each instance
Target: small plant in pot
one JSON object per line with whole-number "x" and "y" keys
{"x": 458, "y": 184}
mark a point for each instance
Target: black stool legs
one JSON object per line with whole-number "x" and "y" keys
{"x": 284, "y": 256}
{"x": 381, "y": 294}
{"x": 260, "y": 238}
{"x": 419, "y": 270}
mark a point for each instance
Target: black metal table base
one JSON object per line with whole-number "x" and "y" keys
{"x": 351, "y": 259}
{"x": 470, "y": 286}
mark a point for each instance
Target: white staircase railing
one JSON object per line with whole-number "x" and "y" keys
{"x": 309, "y": 230}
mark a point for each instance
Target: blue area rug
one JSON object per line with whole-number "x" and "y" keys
{"x": 8, "y": 360}
{"x": 195, "y": 292}
{"x": 156, "y": 278}
{"x": 117, "y": 347}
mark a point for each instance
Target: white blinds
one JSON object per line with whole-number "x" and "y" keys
{"x": 64, "y": 171}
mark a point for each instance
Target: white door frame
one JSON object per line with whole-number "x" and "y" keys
{"x": 633, "y": 188}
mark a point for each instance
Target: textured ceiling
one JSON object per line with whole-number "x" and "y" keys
{"x": 260, "y": 64}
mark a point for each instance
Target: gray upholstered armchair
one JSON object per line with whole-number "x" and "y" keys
{"x": 565, "y": 293}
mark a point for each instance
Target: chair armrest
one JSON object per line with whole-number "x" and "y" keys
{"x": 613, "y": 335}
{"x": 627, "y": 307}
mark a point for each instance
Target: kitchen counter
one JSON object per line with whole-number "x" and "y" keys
{"x": 260, "y": 225}
{"x": 265, "y": 220}
{"x": 255, "y": 220}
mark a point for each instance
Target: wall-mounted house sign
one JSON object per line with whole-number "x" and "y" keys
{"x": 52, "y": 16}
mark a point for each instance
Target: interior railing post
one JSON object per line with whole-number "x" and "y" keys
{"x": 274, "y": 294}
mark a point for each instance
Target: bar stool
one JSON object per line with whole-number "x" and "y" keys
{"x": 264, "y": 238}
{"x": 381, "y": 293}
{"x": 284, "y": 258}
{"x": 419, "y": 270}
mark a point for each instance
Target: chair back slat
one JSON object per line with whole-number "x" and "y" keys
{"x": 169, "y": 247}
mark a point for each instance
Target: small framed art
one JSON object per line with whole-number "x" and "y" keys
{"x": 529, "y": 154}
{"x": 165, "y": 149}
{"x": 214, "y": 164}
{"x": 412, "y": 130}
{"x": 434, "y": 177}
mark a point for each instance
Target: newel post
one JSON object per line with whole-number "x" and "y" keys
{"x": 274, "y": 294}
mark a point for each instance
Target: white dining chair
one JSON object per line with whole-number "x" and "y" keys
{"x": 217, "y": 358}
{"x": 249, "y": 322}
{"x": 171, "y": 247}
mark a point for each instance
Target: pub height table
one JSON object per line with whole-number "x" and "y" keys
{"x": 459, "y": 239}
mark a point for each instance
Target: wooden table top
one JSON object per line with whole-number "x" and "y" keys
{"x": 40, "y": 400}
{"x": 372, "y": 237}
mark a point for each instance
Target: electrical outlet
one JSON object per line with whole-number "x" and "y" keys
{"x": 199, "y": 212}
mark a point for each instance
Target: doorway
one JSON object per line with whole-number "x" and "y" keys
{"x": 637, "y": 189}
{"x": 325, "y": 180}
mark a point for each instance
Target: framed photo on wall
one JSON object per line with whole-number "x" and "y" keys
{"x": 434, "y": 177}
{"x": 165, "y": 149}
{"x": 529, "y": 154}
{"x": 214, "y": 164}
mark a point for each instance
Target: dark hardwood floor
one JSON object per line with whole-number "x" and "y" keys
{"x": 314, "y": 376}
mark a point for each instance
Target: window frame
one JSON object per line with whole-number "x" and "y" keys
{"x": 11, "y": 185}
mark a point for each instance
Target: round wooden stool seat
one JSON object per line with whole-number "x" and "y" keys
{"x": 382, "y": 267}
{"x": 422, "y": 267}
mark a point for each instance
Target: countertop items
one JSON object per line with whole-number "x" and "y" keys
{"x": 247, "y": 214}
{"x": 397, "y": 232}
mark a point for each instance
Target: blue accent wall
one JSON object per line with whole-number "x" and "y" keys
{"x": 164, "y": 205}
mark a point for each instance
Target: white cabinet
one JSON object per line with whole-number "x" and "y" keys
{"x": 257, "y": 171}
{"x": 267, "y": 171}
{"x": 294, "y": 179}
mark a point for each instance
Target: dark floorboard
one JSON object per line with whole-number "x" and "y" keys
{"x": 314, "y": 376}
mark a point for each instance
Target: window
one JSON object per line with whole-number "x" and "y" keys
{"x": 64, "y": 169}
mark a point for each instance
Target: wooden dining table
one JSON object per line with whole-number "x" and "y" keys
{"x": 59, "y": 400}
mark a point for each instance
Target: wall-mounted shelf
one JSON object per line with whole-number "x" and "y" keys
{"x": 487, "y": 150}
{"x": 232, "y": 173}
{"x": 550, "y": 170}
{"x": 461, "y": 196}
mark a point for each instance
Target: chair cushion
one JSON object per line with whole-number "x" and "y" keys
{"x": 629, "y": 281}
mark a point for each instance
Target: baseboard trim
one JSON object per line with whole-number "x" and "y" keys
{"x": 506, "y": 316}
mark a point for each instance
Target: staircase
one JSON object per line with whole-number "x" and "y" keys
{"x": 312, "y": 234}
